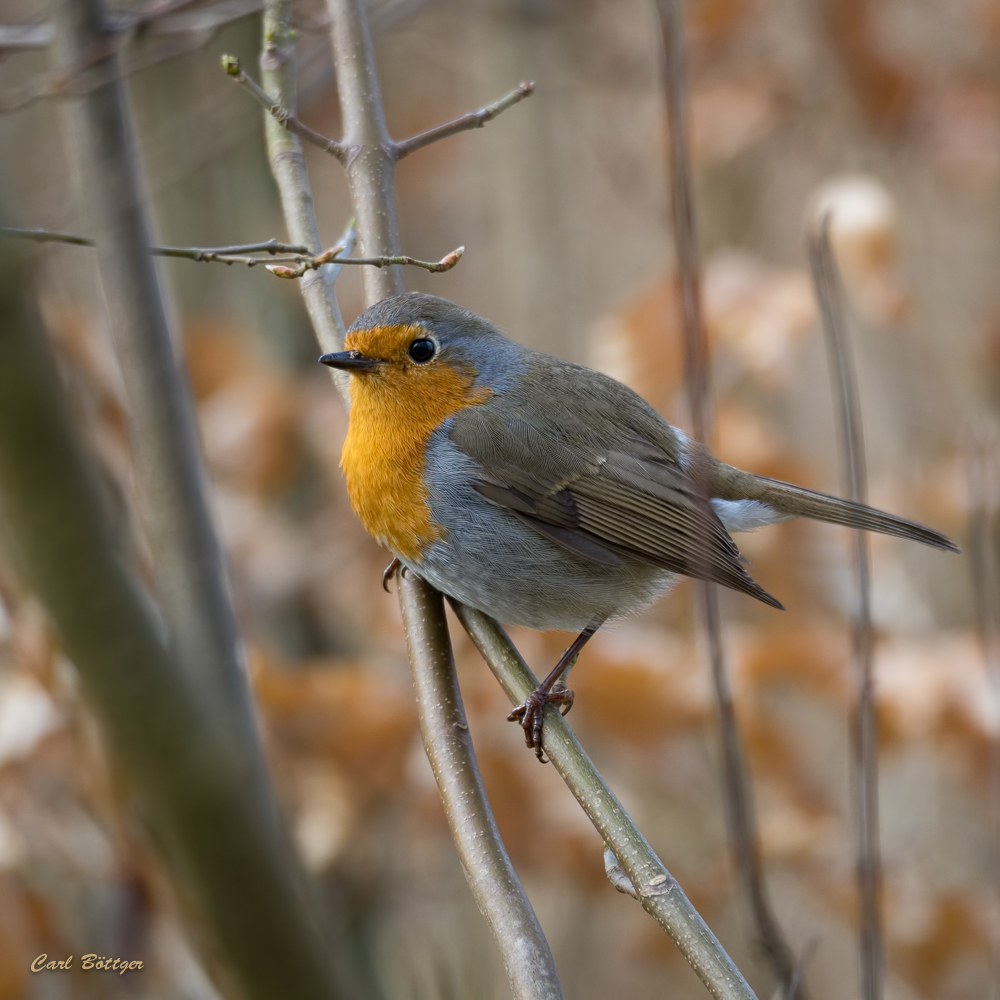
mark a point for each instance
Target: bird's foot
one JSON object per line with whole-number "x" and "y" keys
{"x": 531, "y": 715}
{"x": 389, "y": 573}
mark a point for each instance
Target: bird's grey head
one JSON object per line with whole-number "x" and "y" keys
{"x": 419, "y": 329}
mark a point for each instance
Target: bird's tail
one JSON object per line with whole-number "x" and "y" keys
{"x": 729, "y": 483}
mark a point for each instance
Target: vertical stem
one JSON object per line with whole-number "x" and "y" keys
{"x": 864, "y": 731}
{"x": 491, "y": 876}
{"x": 288, "y": 166}
{"x": 190, "y": 576}
{"x": 740, "y": 819}
{"x": 984, "y": 498}
{"x": 370, "y": 163}
{"x": 371, "y": 155}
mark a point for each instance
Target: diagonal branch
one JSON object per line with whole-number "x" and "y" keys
{"x": 738, "y": 795}
{"x": 474, "y": 119}
{"x": 658, "y": 891}
{"x": 864, "y": 724}
{"x": 281, "y": 114}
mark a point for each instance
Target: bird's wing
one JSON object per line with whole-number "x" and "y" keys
{"x": 599, "y": 494}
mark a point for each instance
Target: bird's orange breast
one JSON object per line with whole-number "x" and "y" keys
{"x": 394, "y": 410}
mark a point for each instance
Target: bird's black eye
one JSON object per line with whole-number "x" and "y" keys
{"x": 422, "y": 350}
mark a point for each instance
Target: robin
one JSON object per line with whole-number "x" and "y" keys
{"x": 541, "y": 492}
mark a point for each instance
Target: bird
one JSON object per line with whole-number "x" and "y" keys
{"x": 541, "y": 492}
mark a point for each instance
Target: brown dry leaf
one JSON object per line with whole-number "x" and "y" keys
{"x": 642, "y": 686}
{"x": 341, "y": 711}
{"x": 791, "y": 829}
{"x": 27, "y": 928}
{"x": 250, "y": 429}
{"x": 641, "y": 345}
{"x": 884, "y": 89}
{"x": 863, "y": 233}
{"x": 960, "y": 131}
{"x": 935, "y": 687}
{"x": 812, "y": 657}
{"x": 730, "y": 116}
{"x": 947, "y": 929}
{"x": 758, "y": 312}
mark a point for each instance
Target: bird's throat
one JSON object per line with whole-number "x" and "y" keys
{"x": 393, "y": 414}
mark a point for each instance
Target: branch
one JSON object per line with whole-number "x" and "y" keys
{"x": 446, "y": 263}
{"x": 213, "y": 818}
{"x": 288, "y": 167}
{"x": 984, "y": 501}
{"x": 191, "y": 586}
{"x": 474, "y": 119}
{"x": 271, "y": 246}
{"x": 449, "y": 749}
{"x": 658, "y": 891}
{"x": 498, "y": 893}
{"x": 864, "y": 724}
{"x": 741, "y": 821}
{"x": 282, "y": 115}
{"x": 280, "y": 253}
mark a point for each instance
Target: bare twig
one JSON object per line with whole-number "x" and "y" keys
{"x": 474, "y": 119}
{"x": 288, "y": 167}
{"x": 271, "y": 247}
{"x": 984, "y": 503}
{"x": 279, "y": 254}
{"x": 738, "y": 796}
{"x": 204, "y": 804}
{"x": 45, "y": 236}
{"x": 163, "y": 18}
{"x": 191, "y": 587}
{"x": 864, "y": 725}
{"x": 281, "y": 115}
{"x": 332, "y": 256}
{"x": 658, "y": 892}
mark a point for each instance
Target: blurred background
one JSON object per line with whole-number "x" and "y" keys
{"x": 888, "y": 111}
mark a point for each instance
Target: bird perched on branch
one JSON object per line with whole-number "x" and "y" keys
{"x": 541, "y": 492}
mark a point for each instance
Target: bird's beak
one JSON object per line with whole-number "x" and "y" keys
{"x": 351, "y": 361}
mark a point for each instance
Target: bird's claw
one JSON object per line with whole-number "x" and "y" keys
{"x": 531, "y": 715}
{"x": 389, "y": 573}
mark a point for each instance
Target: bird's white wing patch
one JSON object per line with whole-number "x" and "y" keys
{"x": 746, "y": 515}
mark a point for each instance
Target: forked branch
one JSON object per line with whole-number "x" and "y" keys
{"x": 396, "y": 150}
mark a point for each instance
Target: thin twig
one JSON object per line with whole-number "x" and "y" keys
{"x": 288, "y": 167}
{"x": 332, "y": 256}
{"x": 864, "y": 724}
{"x": 474, "y": 119}
{"x": 984, "y": 503}
{"x": 282, "y": 115}
{"x": 738, "y": 795}
{"x": 163, "y": 18}
{"x": 279, "y": 254}
{"x": 271, "y": 246}
{"x": 658, "y": 891}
